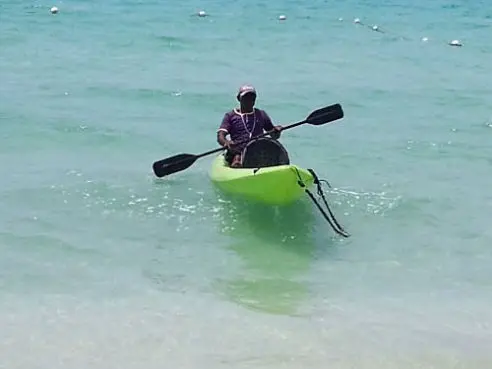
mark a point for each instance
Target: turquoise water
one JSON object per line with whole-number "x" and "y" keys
{"x": 102, "y": 265}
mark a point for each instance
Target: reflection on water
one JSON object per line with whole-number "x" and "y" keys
{"x": 276, "y": 247}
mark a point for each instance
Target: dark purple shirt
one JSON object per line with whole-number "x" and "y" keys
{"x": 245, "y": 127}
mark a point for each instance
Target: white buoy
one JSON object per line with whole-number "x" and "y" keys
{"x": 425, "y": 39}
{"x": 202, "y": 13}
{"x": 282, "y": 17}
{"x": 357, "y": 20}
{"x": 54, "y": 10}
{"x": 455, "y": 43}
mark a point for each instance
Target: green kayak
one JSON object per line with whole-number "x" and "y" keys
{"x": 274, "y": 185}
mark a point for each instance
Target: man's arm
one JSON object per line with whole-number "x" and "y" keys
{"x": 221, "y": 138}
{"x": 268, "y": 125}
{"x": 223, "y": 130}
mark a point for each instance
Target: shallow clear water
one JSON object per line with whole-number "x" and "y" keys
{"x": 105, "y": 266}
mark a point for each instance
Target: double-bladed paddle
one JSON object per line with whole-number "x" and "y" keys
{"x": 180, "y": 162}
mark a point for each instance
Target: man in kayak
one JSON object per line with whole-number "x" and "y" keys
{"x": 244, "y": 123}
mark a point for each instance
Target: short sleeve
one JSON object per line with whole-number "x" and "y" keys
{"x": 267, "y": 122}
{"x": 225, "y": 126}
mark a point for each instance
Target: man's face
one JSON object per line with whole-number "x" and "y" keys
{"x": 248, "y": 100}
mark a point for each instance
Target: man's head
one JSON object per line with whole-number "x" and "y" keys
{"x": 247, "y": 96}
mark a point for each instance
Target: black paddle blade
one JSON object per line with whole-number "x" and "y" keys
{"x": 325, "y": 115}
{"x": 173, "y": 164}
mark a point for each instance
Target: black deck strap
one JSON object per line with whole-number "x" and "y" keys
{"x": 334, "y": 224}
{"x": 322, "y": 194}
{"x": 341, "y": 232}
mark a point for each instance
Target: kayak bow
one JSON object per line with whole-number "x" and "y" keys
{"x": 274, "y": 185}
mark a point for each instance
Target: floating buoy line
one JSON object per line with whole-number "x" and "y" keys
{"x": 376, "y": 28}
{"x": 357, "y": 21}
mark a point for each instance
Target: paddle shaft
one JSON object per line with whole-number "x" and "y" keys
{"x": 180, "y": 162}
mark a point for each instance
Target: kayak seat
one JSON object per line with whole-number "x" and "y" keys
{"x": 264, "y": 152}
